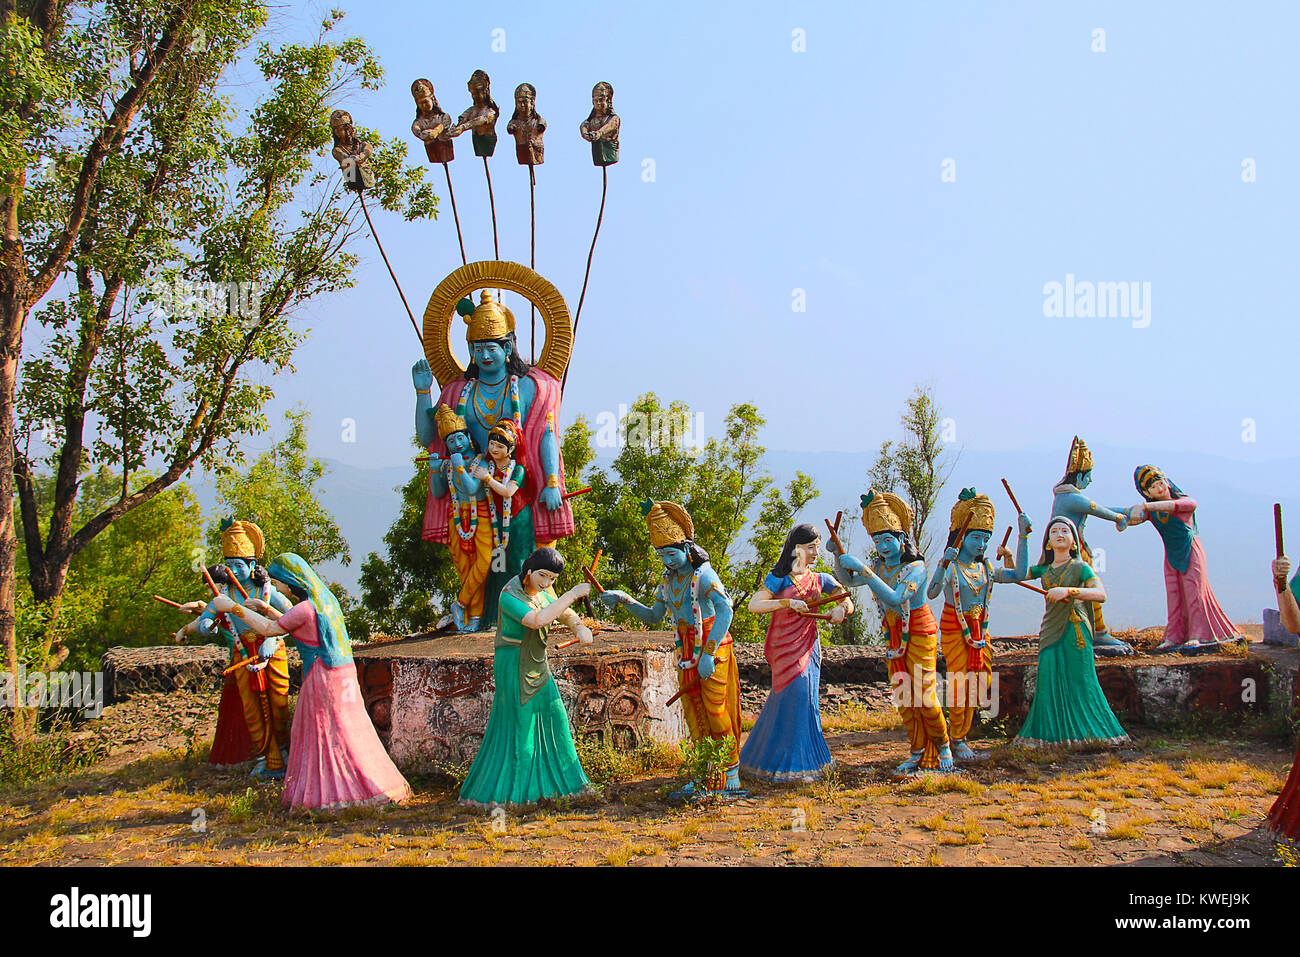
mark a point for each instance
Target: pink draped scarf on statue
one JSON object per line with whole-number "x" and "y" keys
{"x": 547, "y": 525}
{"x": 791, "y": 637}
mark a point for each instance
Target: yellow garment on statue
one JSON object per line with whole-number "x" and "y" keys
{"x": 473, "y": 560}
{"x": 265, "y": 697}
{"x": 967, "y": 662}
{"x": 926, "y": 728}
{"x": 712, "y": 707}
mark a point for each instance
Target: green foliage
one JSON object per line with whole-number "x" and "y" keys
{"x": 605, "y": 764}
{"x": 917, "y": 466}
{"x": 717, "y": 485}
{"x": 278, "y": 493}
{"x": 404, "y": 591}
{"x": 55, "y": 750}
{"x": 154, "y": 549}
{"x": 704, "y": 762}
{"x": 135, "y": 181}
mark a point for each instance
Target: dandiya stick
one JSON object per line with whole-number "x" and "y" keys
{"x": 166, "y": 601}
{"x": 581, "y": 491}
{"x": 961, "y": 534}
{"x": 1012, "y": 496}
{"x": 1031, "y": 587}
{"x": 1278, "y": 583}
{"x": 207, "y": 577}
{"x": 235, "y": 581}
{"x": 829, "y": 599}
{"x": 1007, "y": 537}
{"x": 241, "y": 663}
{"x": 834, "y": 530}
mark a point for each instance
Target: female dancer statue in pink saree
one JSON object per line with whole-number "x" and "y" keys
{"x": 1196, "y": 622}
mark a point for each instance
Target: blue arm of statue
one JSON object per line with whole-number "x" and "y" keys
{"x": 207, "y": 626}
{"x": 941, "y": 573}
{"x": 550, "y": 453}
{"x": 1021, "y": 571}
{"x": 422, "y": 376}
{"x": 714, "y": 601}
{"x": 1079, "y": 505}
{"x": 850, "y": 572}
{"x": 613, "y": 598}
{"x": 437, "y": 479}
{"x": 279, "y": 602}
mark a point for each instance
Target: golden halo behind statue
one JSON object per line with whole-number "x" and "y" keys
{"x": 441, "y": 320}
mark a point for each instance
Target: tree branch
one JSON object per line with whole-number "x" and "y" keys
{"x": 109, "y": 138}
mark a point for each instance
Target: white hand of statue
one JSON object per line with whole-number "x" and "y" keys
{"x": 583, "y": 634}
{"x": 258, "y": 605}
{"x": 481, "y": 472}
{"x": 223, "y": 603}
{"x": 1004, "y": 555}
{"x": 179, "y": 636}
{"x": 580, "y": 590}
{"x": 798, "y": 606}
{"x": 1282, "y": 568}
{"x": 194, "y": 607}
{"x": 838, "y": 614}
{"x": 1058, "y": 593}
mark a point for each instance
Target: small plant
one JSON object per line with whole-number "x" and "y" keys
{"x": 704, "y": 762}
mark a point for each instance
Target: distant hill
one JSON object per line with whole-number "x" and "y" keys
{"x": 1235, "y": 519}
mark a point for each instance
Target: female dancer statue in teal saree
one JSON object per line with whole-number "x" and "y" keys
{"x": 527, "y": 752}
{"x": 1069, "y": 706}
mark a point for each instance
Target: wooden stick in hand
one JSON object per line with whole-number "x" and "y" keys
{"x": 166, "y": 601}
{"x": 1012, "y": 496}
{"x": 835, "y": 532}
{"x": 1279, "y": 584}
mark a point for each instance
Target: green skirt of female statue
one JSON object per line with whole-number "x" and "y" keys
{"x": 1069, "y": 706}
{"x": 527, "y": 751}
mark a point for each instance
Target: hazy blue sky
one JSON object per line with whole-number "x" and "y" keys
{"x": 822, "y": 170}
{"x": 918, "y": 175}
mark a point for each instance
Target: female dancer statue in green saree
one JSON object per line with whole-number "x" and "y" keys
{"x": 1069, "y": 706}
{"x": 527, "y": 751}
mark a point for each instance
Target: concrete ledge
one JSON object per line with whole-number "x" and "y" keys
{"x": 430, "y": 698}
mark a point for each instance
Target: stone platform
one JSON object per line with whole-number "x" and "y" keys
{"x": 1161, "y": 690}
{"x": 430, "y": 697}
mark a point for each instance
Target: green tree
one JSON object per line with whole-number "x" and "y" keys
{"x": 153, "y": 550}
{"x": 279, "y": 494}
{"x": 405, "y": 591}
{"x": 917, "y": 466}
{"x": 119, "y": 169}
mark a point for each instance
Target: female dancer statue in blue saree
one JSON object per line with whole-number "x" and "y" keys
{"x": 787, "y": 744}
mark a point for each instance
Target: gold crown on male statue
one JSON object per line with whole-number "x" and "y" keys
{"x": 885, "y": 512}
{"x": 669, "y": 523}
{"x": 241, "y": 540}
{"x": 488, "y": 320}
{"x": 1080, "y": 458}
{"x": 448, "y": 421}
{"x": 978, "y": 507}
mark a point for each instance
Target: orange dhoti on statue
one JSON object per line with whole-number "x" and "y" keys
{"x": 265, "y": 697}
{"x": 472, "y": 557}
{"x": 970, "y": 670}
{"x": 712, "y": 706}
{"x": 914, "y": 683}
